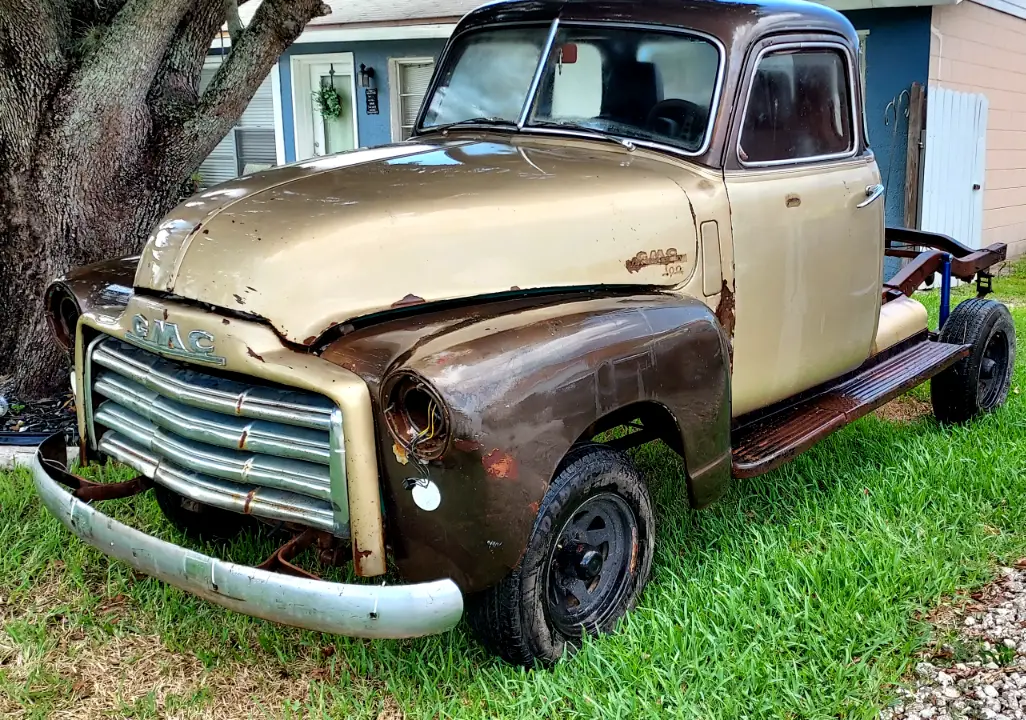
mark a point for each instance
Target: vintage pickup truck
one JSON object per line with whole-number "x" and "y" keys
{"x": 615, "y": 223}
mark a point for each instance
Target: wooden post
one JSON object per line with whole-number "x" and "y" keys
{"x": 913, "y": 153}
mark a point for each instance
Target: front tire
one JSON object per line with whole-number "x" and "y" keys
{"x": 586, "y": 563}
{"x": 978, "y": 383}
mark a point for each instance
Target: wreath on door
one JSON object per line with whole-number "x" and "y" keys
{"x": 327, "y": 99}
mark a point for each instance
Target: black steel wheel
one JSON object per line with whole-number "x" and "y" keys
{"x": 198, "y": 521}
{"x": 586, "y": 563}
{"x": 979, "y": 382}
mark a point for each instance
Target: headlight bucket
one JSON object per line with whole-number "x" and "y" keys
{"x": 62, "y": 312}
{"x": 415, "y": 415}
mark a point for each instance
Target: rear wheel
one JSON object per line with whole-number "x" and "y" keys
{"x": 586, "y": 563}
{"x": 198, "y": 521}
{"x": 978, "y": 383}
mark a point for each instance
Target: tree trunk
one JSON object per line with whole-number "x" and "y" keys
{"x": 96, "y": 140}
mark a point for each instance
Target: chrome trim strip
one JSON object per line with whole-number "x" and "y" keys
{"x": 372, "y": 611}
{"x": 244, "y": 499}
{"x": 264, "y": 470}
{"x": 543, "y": 61}
{"x": 855, "y": 124}
{"x": 228, "y": 431}
{"x": 339, "y": 481}
{"x": 239, "y": 399}
{"x": 87, "y": 389}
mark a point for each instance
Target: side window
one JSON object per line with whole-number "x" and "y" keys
{"x": 799, "y": 106}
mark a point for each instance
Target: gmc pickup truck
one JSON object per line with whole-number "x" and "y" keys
{"x": 615, "y": 223}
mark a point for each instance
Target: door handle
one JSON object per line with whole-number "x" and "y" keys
{"x": 872, "y": 193}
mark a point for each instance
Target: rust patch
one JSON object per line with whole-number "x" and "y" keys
{"x": 725, "y": 310}
{"x": 515, "y": 288}
{"x": 310, "y": 340}
{"x": 501, "y": 465}
{"x": 401, "y": 456}
{"x": 535, "y": 506}
{"x": 206, "y": 231}
{"x": 792, "y": 201}
{"x": 239, "y": 299}
{"x": 243, "y": 438}
{"x": 654, "y": 257}
{"x": 408, "y": 301}
{"x": 249, "y": 499}
{"x": 358, "y": 557}
{"x": 225, "y": 321}
{"x": 253, "y": 354}
{"x": 465, "y": 445}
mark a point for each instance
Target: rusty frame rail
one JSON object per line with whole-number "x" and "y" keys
{"x": 966, "y": 263}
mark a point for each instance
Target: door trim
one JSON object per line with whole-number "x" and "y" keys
{"x": 302, "y": 109}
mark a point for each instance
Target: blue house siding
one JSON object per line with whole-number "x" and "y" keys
{"x": 897, "y": 55}
{"x": 373, "y": 129}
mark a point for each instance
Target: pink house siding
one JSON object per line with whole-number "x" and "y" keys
{"x": 974, "y": 48}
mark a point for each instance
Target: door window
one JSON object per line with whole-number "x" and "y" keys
{"x": 799, "y": 107}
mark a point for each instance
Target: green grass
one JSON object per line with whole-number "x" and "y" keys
{"x": 799, "y": 595}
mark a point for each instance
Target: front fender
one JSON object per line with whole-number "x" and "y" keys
{"x": 522, "y": 385}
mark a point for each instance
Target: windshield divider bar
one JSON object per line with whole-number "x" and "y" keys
{"x": 543, "y": 61}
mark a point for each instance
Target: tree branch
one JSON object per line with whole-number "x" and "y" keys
{"x": 131, "y": 51}
{"x": 276, "y": 24}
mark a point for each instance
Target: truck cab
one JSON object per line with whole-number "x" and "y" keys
{"x": 615, "y": 223}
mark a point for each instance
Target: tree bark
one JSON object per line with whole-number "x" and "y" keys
{"x": 97, "y": 140}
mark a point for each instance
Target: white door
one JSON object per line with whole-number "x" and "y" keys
{"x": 317, "y": 134}
{"x": 955, "y": 164}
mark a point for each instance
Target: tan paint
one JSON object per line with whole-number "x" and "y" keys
{"x": 712, "y": 273}
{"x": 452, "y": 221}
{"x": 900, "y": 318}
{"x": 253, "y": 350}
{"x": 807, "y": 276}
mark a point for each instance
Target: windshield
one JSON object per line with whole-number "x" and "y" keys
{"x": 639, "y": 84}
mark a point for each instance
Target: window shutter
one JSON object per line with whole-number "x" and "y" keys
{"x": 250, "y": 145}
{"x": 414, "y": 78}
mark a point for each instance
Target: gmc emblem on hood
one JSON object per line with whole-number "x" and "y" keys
{"x": 164, "y": 337}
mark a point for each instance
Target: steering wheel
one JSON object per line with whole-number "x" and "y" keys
{"x": 676, "y": 118}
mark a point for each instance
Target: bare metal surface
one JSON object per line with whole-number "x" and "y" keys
{"x": 210, "y": 392}
{"x": 373, "y": 611}
{"x": 197, "y": 433}
{"x": 242, "y": 498}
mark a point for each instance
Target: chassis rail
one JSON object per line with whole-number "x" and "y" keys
{"x": 370, "y": 611}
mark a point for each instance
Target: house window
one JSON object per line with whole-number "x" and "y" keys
{"x": 408, "y": 83}
{"x": 250, "y": 145}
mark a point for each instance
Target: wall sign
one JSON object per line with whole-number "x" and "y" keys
{"x": 372, "y": 101}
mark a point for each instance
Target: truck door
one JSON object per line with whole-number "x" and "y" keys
{"x": 807, "y": 222}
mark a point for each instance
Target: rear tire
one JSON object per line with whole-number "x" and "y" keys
{"x": 978, "y": 383}
{"x": 198, "y": 521}
{"x": 594, "y": 538}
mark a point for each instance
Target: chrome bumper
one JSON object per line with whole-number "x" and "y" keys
{"x": 371, "y": 611}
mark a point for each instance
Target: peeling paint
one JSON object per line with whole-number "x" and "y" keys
{"x": 239, "y": 299}
{"x": 401, "y": 456}
{"x": 253, "y": 354}
{"x": 407, "y": 301}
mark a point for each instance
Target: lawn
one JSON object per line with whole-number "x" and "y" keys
{"x": 801, "y": 594}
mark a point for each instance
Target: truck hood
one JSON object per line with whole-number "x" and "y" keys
{"x": 315, "y": 244}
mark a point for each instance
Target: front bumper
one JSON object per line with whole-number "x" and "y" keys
{"x": 371, "y": 611}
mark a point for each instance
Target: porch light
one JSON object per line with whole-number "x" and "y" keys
{"x": 366, "y": 76}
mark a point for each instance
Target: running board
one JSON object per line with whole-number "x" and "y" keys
{"x": 771, "y": 441}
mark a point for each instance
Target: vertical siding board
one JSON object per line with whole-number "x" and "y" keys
{"x": 954, "y": 160}
{"x": 978, "y": 49}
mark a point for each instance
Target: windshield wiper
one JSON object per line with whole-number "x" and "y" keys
{"x": 472, "y": 121}
{"x": 590, "y": 132}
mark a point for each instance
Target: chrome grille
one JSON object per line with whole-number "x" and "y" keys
{"x": 265, "y": 450}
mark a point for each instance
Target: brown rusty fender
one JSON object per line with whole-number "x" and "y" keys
{"x": 523, "y": 380}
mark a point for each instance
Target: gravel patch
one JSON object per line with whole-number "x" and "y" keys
{"x": 978, "y": 667}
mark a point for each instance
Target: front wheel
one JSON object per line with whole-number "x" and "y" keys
{"x": 979, "y": 382}
{"x": 586, "y": 563}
